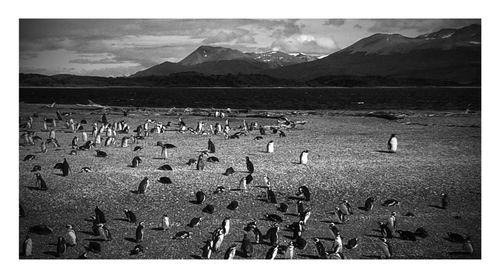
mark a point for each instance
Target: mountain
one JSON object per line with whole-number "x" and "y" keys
{"x": 452, "y": 55}
{"x": 277, "y": 59}
{"x": 213, "y": 54}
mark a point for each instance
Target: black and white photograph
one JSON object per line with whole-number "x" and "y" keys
{"x": 249, "y": 137}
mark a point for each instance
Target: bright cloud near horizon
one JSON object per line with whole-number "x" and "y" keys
{"x": 120, "y": 47}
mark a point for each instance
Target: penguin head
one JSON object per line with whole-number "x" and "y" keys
{"x": 393, "y": 213}
{"x": 69, "y": 226}
{"x": 316, "y": 240}
{"x": 393, "y": 135}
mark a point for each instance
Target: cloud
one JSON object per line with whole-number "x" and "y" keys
{"x": 335, "y": 22}
{"x": 418, "y": 25}
{"x": 238, "y": 35}
{"x": 93, "y": 62}
{"x": 287, "y": 28}
{"x": 305, "y": 43}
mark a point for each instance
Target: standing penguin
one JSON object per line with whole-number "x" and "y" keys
{"x": 211, "y": 146}
{"x": 43, "y": 147}
{"x": 99, "y": 215}
{"x": 74, "y": 142}
{"x": 226, "y": 224}
{"x": 139, "y": 232}
{"x": 164, "y": 152}
{"x": 303, "y": 157}
{"x": 200, "y": 197}
{"x": 165, "y": 223}
{"x": 250, "y": 167}
{"x": 320, "y": 248}
{"x": 84, "y": 136}
{"x": 61, "y": 246}
{"x": 386, "y": 248}
{"x": 143, "y": 186}
{"x": 70, "y": 235}
{"x": 243, "y": 184}
{"x": 27, "y": 247}
{"x": 392, "y": 144}
{"x": 272, "y": 252}
{"x": 136, "y": 161}
{"x": 289, "y": 251}
{"x": 337, "y": 244}
{"x": 65, "y": 168}
{"x": 270, "y": 147}
{"x": 304, "y": 190}
{"x": 445, "y": 201}
{"x": 200, "y": 165}
{"x": 230, "y": 253}
{"x": 124, "y": 142}
{"x": 391, "y": 222}
{"x": 218, "y": 239}
{"x": 207, "y": 250}
{"x": 467, "y": 246}
{"x": 369, "y": 204}
{"x": 246, "y": 246}
{"x": 130, "y": 215}
{"x": 39, "y": 179}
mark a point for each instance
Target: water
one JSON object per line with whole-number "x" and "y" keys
{"x": 265, "y": 98}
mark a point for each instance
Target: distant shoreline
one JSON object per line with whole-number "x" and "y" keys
{"x": 253, "y": 87}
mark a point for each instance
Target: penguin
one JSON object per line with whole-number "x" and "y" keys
{"x": 101, "y": 153}
{"x": 289, "y": 251}
{"x": 99, "y": 215}
{"x": 243, "y": 184}
{"x": 300, "y": 243}
{"x": 41, "y": 181}
{"x": 200, "y": 165}
{"x": 233, "y": 205}
{"x": 164, "y": 152}
{"x": 421, "y": 232}
{"x": 109, "y": 141}
{"x": 392, "y": 144}
{"x": 273, "y": 217}
{"x": 165, "y": 180}
{"x": 29, "y": 157}
{"x": 165, "y": 223}
{"x": 282, "y": 133}
{"x": 246, "y": 246}
{"x": 139, "y": 232}
{"x": 218, "y": 239}
{"x": 103, "y": 232}
{"x": 143, "y": 186}
{"x": 27, "y": 247}
{"x": 297, "y": 228}
{"x": 70, "y": 235}
{"x": 271, "y": 197}
{"x": 65, "y": 168}
{"x": 341, "y": 216}
{"x": 369, "y": 204}
{"x": 267, "y": 181}
{"x": 391, "y": 222}
{"x": 138, "y": 148}
{"x": 303, "y": 157}
{"x": 124, "y": 142}
{"x": 43, "y": 147}
{"x": 211, "y": 146}
{"x": 104, "y": 119}
{"x": 226, "y": 225}
{"x": 98, "y": 139}
{"x": 250, "y": 167}
{"x": 208, "y": 209}
{"x": 138, "y": 249}
{"x": 200, "y": 197}
{"x": 61, "y": 246}
{"x": 384, "y": 230}
{"x": 272, "y": 252}
{"x": 352, "y": 243}
{"x": 445, "y": 201}
{"x": 305, "y": 216}
{"x": 74, "y": 142}
{"x": 304, "y": 191}
{"x": 386, "y": 248}
{"x": 207, "y": 250}
{"x": 212, "y": 159}
{"x": 165, "y": 167}
{"x": 229, "y": 171}
{"x": 84, "y": 136}
{"x": 136, "y": 161}
{"x": 182, "y": 235}
{"x": 337, "y": 245}
{"x": 348, "y": 207}
{"x": 467, "y": 246}
{"x": 130, "y": 215}
{"x": 230, "y": 253}
{"x": 85, "y": 170}
{"x": 320, "y": 248}
{"x": 195, "y": 222}
{"x": 407, "y": 235}
{"x": 300, "y": 207}
{"x": 272, "y": 234}
{"x": 41, "y": 229}
{"x": 36, "y": 168}
{"x": 334, "y": 230}
{"x": 258, "y": 138}
{"x": 270, "y": 147}
{"x": 343, "y": 208}
{"x": 257, "y": 234}
{"x": 391, "y": 203}
{"x": 454, "y": 237}
{"x": 283, "y": 207}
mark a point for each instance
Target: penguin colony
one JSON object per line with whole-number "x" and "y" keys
{"x": 281, "y": 233}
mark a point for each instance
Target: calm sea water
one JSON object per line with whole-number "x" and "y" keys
{"x": 265, "y": 98}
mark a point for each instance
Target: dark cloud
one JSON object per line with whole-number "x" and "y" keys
{"x": 419, "y": 25}
{"x": 289, "y": 28}
{"x": 335, "y": 22}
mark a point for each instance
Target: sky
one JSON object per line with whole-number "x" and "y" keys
{"x": 121, "y": 47}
